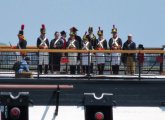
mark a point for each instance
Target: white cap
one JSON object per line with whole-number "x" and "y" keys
{"x": 129, "y": 35}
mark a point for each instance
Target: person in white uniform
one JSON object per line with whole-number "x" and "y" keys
{"x": 115, "y": 43}
{"x": 43, "y": 43}
{"x": 101, "y": 44}
{"x": 72, "y": 44}
{"x": 86, "y": 58}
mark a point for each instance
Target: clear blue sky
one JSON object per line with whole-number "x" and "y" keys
{"x": 144, "y": 19}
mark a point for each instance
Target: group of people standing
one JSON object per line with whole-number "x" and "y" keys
{"x": 81, "y": 63}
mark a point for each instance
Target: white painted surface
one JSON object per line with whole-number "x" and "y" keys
{"x": 12, "y": 74}
{"x": 65, "y": 113}
{"x": 77, "y": 113}
{"x": 139, "y": 113}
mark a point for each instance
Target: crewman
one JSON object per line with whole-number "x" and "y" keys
{"x": 115, "y": 43}
{"x": 22, "y": 43}
{"x": 43, "y": 43}
{"x": 92, "y": 39}
{"x": 101, "y": 45}
{"x": 55, "y": 58}
{"x": 72, "y": 44}
{"x": 64, "y": 59}
{"x": 79, "y": 41}
{"x": 86, "y": 58}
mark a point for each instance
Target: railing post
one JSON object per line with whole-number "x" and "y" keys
{"x": 139, "y": 66}
{"x": 38, "y": 64}
{"x": 161, "y": 63}
{"x": 88, "y": 74}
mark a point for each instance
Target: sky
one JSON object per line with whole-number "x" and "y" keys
{"x": 144, "y": 19}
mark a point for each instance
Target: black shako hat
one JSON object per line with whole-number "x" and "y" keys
{"x": 141, "y": 46}
{"x": 100, "y": 32}
{"x": 114, "y": 29}
{"x": 63, "y": 32}
{"x": 90, "y": 29}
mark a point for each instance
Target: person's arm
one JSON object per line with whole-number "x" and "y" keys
{"x": 38, "y": 43}
{"x": 77, "y": 45}
{"x": 51, "y": 44}
{"x": 90, "y": 46}
{"x": 105, "y": 44}
{"x": 95, "y": 47}
{"x": 110, "y": 44}
{"x": 134, "y": 46}
{"x": 47, "y": 43}
{"x": 120, "y": 44}
{"x": 26, "y": 67}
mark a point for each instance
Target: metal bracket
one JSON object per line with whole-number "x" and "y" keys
{"x": 105, "y": 99}
{"x": 15, "y": 98}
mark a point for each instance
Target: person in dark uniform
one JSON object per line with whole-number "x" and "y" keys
{"x": 86, "y": 59}
{"x": 79, "y": 40}
{"x": 22, "y": 43}
{"x": 92, "y": 39}
{"x": 101, "y": 44}
{"x": 55, "y": 58}
{"x": 115, "y": 43}
{"x": 43, "y": 43}
{"x": 72, "y": 44}
{"x": 63, "y": 38}
{"x": 130, "y": 57}
{"x": 140, "y": 59}
{"x": 64, "y": 60}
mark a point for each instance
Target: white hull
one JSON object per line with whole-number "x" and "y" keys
{"x": 77, "y": 113}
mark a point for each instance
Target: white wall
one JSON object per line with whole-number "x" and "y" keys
{"x": 77, "y": 113}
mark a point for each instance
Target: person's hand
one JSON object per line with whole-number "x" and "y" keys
{"x": 41, "y": 47}
{"x": 45, "y": 47}
{"x": 13, "y": 47}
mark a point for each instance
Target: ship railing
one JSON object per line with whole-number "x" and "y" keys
{"x": 153, "y": 63}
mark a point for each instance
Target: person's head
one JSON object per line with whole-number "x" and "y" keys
{"x": 63, "y": 34}
{"x": 140, "y": 47}
{"x": 43, "y": 30}
{"x": 129, "y": 37}
{"x": 20, "y": 37}
{"x": 100, "y": 33}
{"x": 114, "y": 32}
{"x": 27, "y": 59}
{"x": 56, "y": 35}
{"x": 85, "y": 38}
{"x": 90, "y": 30}
{"x": 72, "y": 35}
{"x": 74, "y": 30}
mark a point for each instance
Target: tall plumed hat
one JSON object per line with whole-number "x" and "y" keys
{"x": 21, "y": 32}
{"x": 43, "y": 29}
